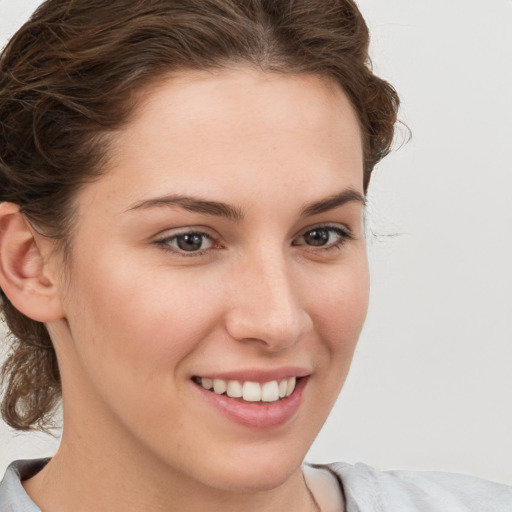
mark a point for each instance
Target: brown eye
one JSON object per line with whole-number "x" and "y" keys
{"x": 188, "y": 242}
{"x": 324, "y": 236}
{"x": 317, "y": 237}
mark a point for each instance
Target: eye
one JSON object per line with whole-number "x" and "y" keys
{"x": 325, "y": 237}
{"x": 188, "y": 242}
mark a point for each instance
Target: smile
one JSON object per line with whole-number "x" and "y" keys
{"x": 249, "y": 391}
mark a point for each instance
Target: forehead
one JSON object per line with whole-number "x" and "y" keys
{"x": 246, "y": 97}
{"x": 214, "y": 131}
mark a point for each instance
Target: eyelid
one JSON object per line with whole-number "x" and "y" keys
{"x": 164, "y": 237}
{"x": 183, "y": 230}
{"x": 334, "y": 226}
{"x": 344, "y": 232}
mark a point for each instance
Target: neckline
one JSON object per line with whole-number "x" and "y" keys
{"x": 325, "y": 487}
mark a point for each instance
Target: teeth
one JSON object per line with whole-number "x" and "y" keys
{"x": 207, "y": 383}
{"x": 291, "y": 386}
{"x": 219, "y": 386}
{"x": 251, "y": 391}
{"x": 270, "y": 391}
{"x": 234, "y": 389}
{"x": 283, "y": 386}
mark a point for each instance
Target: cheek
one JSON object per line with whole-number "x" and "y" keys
{"x": 134, "y": 323}
{"x": 340, "y": 305}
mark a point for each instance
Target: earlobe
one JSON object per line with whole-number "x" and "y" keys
{"x": 23, "y": 274}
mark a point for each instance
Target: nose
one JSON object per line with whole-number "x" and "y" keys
{"x": 265, "y": 305}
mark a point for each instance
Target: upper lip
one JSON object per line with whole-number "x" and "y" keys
{"x": 258, "y": 374}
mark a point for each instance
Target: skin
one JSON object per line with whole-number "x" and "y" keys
{"x": 137, "y": 318}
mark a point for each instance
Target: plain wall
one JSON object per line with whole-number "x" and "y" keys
{"x": 431, "y": 383}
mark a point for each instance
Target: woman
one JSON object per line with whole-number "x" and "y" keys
{"x": 182, "y": 254}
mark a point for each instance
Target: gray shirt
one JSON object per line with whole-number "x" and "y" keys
{"x": 362, "y": 488}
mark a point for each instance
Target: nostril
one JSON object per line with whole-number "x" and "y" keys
{"x": 267, "y": 312}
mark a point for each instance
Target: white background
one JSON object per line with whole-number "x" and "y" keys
{"x": 431, "y": 383}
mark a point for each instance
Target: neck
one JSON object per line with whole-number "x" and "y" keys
{"x": 128, "y": 473}
{"x": 124, "y": 481}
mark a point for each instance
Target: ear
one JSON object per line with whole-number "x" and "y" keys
{"x": 24, "y": 275}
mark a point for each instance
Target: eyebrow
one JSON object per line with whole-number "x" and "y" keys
{"x": 191, "y": 204}
{"x": 330, "y": 203}
{"x": 219, "y": 209}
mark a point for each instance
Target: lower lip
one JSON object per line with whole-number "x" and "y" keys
{"x": 259, "y": 415}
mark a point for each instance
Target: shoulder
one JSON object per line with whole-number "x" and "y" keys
{"x": 13, "y": 497}
{"x": 369, "y": 490}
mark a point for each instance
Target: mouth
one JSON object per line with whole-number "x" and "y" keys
{"x": 250, "y": 391}
{"x": 255, "y": 398}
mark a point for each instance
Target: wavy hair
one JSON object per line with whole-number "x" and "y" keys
{"x": 70, "y": 76}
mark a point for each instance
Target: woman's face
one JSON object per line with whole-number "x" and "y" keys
{"x": 224, "y": 244}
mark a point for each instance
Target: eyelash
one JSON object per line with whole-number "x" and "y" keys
{"x": 343, "y": 233}
{"x": 164, "y": 244}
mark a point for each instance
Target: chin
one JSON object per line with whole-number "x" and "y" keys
{"x": 256, "y": 476}
{"x": 249, "y": 471}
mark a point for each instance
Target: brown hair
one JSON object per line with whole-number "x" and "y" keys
{"x": 69, "y": 77}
